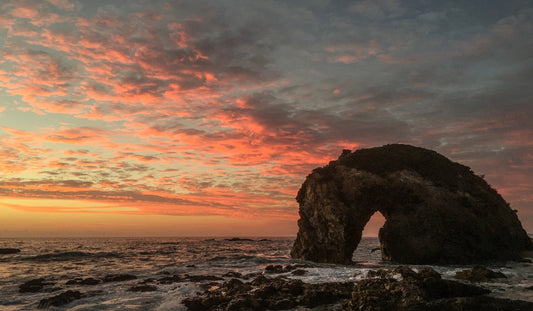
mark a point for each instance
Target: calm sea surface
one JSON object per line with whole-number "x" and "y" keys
{"x": 60, "y": 260}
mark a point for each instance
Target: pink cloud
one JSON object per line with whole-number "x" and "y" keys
{"x": 62, "y": 4}
{"x": 352, "y": 52}
{"x": 25, "y": 12}
{"x": 392, "y": 59}
{"x": 82, "y": 136}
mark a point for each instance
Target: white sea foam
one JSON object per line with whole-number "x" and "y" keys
{"x": 172, "y": 301}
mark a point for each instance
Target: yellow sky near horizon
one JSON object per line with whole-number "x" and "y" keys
{"x": 21, "y": 218}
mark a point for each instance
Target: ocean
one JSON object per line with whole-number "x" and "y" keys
{"x": 107, "y": 270}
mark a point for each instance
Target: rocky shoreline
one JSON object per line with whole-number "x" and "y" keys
{"x": 278, "y": 288}
{"x": 398, "y": 289}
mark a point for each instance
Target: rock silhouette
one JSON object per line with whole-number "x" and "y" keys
{"x": 436, "y": 210}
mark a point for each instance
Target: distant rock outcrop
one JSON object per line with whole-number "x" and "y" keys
{"x": 436, "y": 210}
{"x": 5, "y": 251}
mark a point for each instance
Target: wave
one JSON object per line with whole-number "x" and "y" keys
{"x": 65, "y": 256}
{"x": 231, "y": 257}
{"x": 241, "y": 258}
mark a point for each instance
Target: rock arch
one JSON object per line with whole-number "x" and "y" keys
{"x": 436, "y": 211}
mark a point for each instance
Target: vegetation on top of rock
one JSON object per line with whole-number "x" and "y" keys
{"x": 397, "y": 157}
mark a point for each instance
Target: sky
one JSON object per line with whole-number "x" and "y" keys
{"x": 203, "y": 118}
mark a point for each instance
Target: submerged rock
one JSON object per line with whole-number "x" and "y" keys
{"x": 59, "y": 300}
{"x": 34, "y": 285}
{"x": 239, "y": 240}
{"x": 299, "y": 272}
{"x": 203, "y": 278}
{"x": 177, "y": 278}
{"x": 233, "y": 274}
{"x": 173, "y": 279}
{"x": 142, "y": 288}
{"x": 479, "y": 274}
{"x": 6, "y": 251}
{"x": 274, "y": 269}
{"x": 119, "y": 278}
{"x": 81, "y": 281}
{"x": 436, "y": 210}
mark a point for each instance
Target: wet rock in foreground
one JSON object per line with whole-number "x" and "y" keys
{"x": 381, "y": 291}
{"x": 269, "y": 294}
{"x": 425, "y": 290}
{"x": 479, "y": 274}
{"x": 426, "y": 295}
{"x": 407, "y": 294}
{"x": 278, "y": 269}
{"x": 59, "y": 300}
{"x": 233, "y": 274}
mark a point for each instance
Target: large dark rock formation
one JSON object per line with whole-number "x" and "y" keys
{"x": 436, "y": 210}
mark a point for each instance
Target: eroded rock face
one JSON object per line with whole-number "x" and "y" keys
{"x": 436, "y": 210}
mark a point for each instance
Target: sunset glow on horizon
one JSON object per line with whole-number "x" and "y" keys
{"x": 203, "y": 118}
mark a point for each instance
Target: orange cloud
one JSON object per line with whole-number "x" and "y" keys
{"x": 24, "y": 12}
{"x": 154, "y": 111}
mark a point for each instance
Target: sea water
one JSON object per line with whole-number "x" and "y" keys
{"x": 59, "y": 260}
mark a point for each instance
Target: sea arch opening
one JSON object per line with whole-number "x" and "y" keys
{"x": 369, "y": 247}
